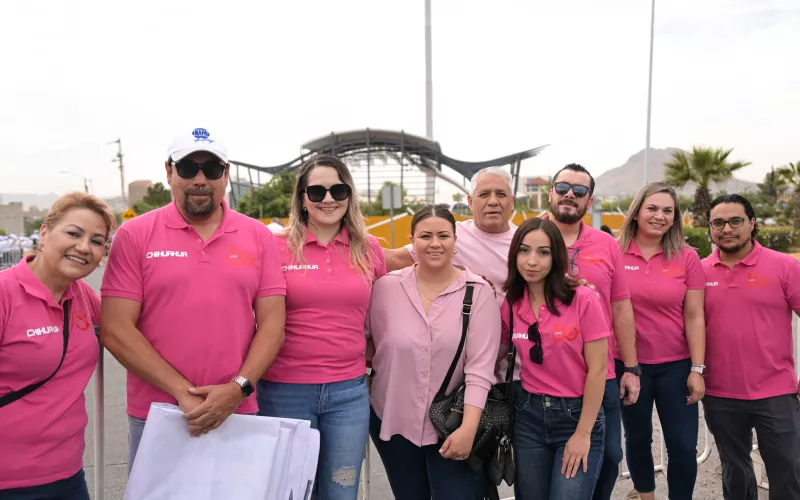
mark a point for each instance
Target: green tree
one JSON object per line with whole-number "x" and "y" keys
{"x": 3, "y": 232}
{"x": 765, "y": 198}
{"x": 33, "y": 224}
{"x": 157, "y": 196}
{"x": 458, "y": 198}
{"x": 273, "y": 199}
{"x": 376, "y": 207}
{"x": 702, "y": 166}
{"x": 790, "y": 175}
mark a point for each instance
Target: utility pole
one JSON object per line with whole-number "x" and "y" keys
{"x": 121, "y": 168}
{"x": 428, "y": 73}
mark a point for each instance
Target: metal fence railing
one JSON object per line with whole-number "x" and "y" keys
{"x": 10, "y": 257}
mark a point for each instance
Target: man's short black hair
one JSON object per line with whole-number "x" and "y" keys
{"x": 740, "y": 200}
{"x": 577, "y": 168}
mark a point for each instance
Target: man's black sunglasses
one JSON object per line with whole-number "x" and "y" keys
{"x": 536, "y": 352}
{"x": 339, "y": 192}
{"x": 212, "y": 169}
{"x": 579, "y": 190}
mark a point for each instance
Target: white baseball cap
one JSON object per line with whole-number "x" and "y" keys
{"x": 198, "y": 140}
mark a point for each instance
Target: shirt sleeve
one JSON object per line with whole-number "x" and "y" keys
{"x": 379, "y": 264}
{"x": 3, "y": 313}
{"x": 695, "y": 276}
{"x": 592, "y": 320}
{"x": 791, "y": 285}
{"x": 122, "y": 277}
{"x": 619, "y": 282}
{"x": 272, "y": 281}
{"x": 412, "y": 253}
{"x": 483, "y": 343}
{"x": 505, "y": 334}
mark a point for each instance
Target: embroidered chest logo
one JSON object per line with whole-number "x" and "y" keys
{"x": 592, "y": 260}
{"x": 81, "y": 321}
{"x": 671, "y": 271}
{"x": 44, "y": 330}
{"x": 561, "y": 333}
{"x": 520, "y": 335}
{"x": 631, "y": 268}
{"x": 237, "y": 257}
{"x": 756, "y": 280}
{"x": 165, "y": 253}
{"x": 712, "y": 283}
{"x": 300, "y": 267}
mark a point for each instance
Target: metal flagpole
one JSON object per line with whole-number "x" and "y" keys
{"x": 428, "y": 73}
{"x": 649, "y": 88}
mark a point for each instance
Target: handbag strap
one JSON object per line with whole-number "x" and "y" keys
{"x": 13, "y": 396}
{"x": 466, "y": 310}
{"x": 512, "y": 351}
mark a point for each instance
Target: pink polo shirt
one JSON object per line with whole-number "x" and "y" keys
{"x": 596, "y": 257}
{"x": 197, "y": 296}
{"x": 41, "y": 435}
{"x": 413, "y": 351}
{"x": 563, "y": 370}
{"x": 326, "y": 304}
{"x": 749, "y": 347}
{"x": 482, "y": 253}
{"x": 658, "y": 290}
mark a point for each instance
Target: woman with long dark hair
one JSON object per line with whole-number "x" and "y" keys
{"x": 560, "y": 335}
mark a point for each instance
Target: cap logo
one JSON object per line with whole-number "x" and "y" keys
{"x": 201, "y": 135}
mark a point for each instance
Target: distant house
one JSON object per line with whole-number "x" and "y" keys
{"x": 534, "y": 187}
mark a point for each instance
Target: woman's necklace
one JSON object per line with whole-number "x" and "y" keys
{"x": 436, "y": 292}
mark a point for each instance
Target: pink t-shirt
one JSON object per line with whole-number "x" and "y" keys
{"x": 326, "y": 304}
{"x": 658, "y": 290}
{"x": 413, "y": 351}
{"x": 563, "y": 370}
{"x": 482, "y": 253}
{"x": 749, "y": 351}
{"x": 197, "y": 296}
{"x": 595, "y": 256}
{"x": 41, "y": 435}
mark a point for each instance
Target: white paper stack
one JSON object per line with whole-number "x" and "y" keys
{"x": 247, "y": 458}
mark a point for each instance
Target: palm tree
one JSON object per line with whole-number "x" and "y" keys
{"x": 790, "y": 174}
{"x": 702, "y": 166}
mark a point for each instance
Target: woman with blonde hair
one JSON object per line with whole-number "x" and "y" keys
{"x": 330, "y": 264}
{"x": 48, "y": 351}
{"x": 667, "y": 285}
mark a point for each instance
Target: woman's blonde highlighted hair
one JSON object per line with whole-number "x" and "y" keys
{"x": 75, "y": 200}
{"x": 362, "y": 254}
{"x": 673, "y": 240}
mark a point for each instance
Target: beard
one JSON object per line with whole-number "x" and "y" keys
{"x": 567, "y": 218}
{"x": 196, "y": 208}
{"x": 733, "y": 249}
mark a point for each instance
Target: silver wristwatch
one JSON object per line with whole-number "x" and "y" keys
{"x": 247, "y": 387}
{"x": 701, "y": 369}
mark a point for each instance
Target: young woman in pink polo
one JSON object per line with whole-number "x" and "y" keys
{"x": 48, "y": 351}
{"x": 415, "y": 327}
{"x": 329, "y": 263}
{"x": 667, "y": 285}
{"x": 560, "y": 335}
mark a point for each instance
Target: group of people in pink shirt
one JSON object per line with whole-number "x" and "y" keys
{"x": 209, "y": 310}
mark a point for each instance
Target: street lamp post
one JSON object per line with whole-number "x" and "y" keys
{"x": 428, "y": 73}
{"x": 86, "y": 180}
{"x": 649, "y": 87}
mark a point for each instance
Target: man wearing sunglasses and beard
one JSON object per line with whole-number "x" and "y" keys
{"x": 595, "y": 256}
{"x": 193, "y": 297}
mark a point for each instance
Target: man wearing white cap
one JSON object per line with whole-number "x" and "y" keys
{"x": 193, "y": 297}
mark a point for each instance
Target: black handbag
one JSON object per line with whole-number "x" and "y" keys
{"x": 447, "y": 411}
{"x": 14, "y": 396}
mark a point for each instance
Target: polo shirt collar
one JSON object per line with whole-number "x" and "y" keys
{"x": 175, "y": 220}
{"x": 35, "y": 288}
{"x": 633, "y": 249}
{"x": 343, "y": 237}
{"x": 584, "y": 236}
{"x": 523, "y": 308}
{"x": 750, "y": 260}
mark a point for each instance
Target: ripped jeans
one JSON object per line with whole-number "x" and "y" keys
{"x": 340, "y": 411}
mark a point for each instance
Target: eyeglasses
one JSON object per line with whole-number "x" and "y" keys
{"x": 562, "y": 188}
{"x": 212, "y": 170}
{"x": 734, "y": 222}
{"x": 574, "y": 268}
{"x": 536, "y": 353}
{"x": 339, "y": 192}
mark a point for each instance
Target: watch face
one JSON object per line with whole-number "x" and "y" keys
{"x": 248, "y": 389}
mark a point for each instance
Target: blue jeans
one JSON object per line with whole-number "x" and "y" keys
{"x": 665, "y": 385}
{"x": 542, "y": 427}
{"x": 72, "y": 488}
{"x": 421, "y": 472}
{"x": 609, "y": 471}
{"x": 135, "y": 431}
{"x": 340, "y": 411}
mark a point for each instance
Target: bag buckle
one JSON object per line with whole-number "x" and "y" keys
{"x": 466, "y": 309}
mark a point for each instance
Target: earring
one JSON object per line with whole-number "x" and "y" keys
{"x": 455, "y": 251}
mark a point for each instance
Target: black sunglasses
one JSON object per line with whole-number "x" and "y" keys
{"x": 536, "y": 352}
{"x": 339, "y": 192}
{"x": 574, "y": 267}
{"x": 562, "y": 188}
{"x": 212, "y": 170}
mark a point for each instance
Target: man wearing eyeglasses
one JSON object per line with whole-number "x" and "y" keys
{"x": 751, "y": 292}
{"x": 193, "y": 297}
{"x": 596, "y": 257}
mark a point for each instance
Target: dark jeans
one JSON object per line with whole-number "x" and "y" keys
{"x": 612, "y": 456}
{"x": 777, "y": 424}
{"x": 542, "y": 427}
{"x": 421, "y": 473}
{"x": 72, "y": 488}
{"x": 665, "y": 385}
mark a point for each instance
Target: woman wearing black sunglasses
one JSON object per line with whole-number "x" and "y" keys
{"x": 329, "y": 263}
{"x": 560, "y": 334}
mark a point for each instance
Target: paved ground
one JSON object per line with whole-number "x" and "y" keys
{"x": 116, "y": 448}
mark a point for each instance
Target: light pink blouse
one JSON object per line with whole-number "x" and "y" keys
{"x": 413, "y": 351}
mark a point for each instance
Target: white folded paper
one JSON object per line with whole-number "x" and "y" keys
{"x": 247, "y": 458}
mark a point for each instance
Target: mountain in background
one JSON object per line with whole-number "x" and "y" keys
{"x": 626, "y": 180}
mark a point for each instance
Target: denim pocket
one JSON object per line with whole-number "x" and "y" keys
{"x": 575, "y": 415}
{"x": 522, "y": 399}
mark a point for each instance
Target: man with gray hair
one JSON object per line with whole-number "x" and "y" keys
{"x": 482, "y": 243}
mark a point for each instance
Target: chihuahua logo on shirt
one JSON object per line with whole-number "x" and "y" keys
{"x": 240, "y": 258}
{"x": 520, "y": 335}
{"x": 300, "y": 267}
{"x": 165, "y": 253}
{"x": 45, "y": 330}
{"x": 561, "y": 334}
{"x": 712, "y": 283}
{"x": 756, "y": 280}
{"x": 631, "y": 268}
